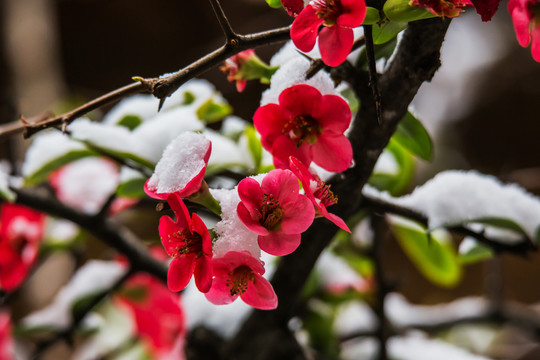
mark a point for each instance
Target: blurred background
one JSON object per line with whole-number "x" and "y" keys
{"x": 481, "y": 107}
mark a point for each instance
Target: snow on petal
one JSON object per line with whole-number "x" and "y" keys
{"x": 183, "y": 159}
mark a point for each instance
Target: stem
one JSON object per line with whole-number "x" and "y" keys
{"x": 230, "y": 35}
{"x": 383, "y": 329}
{"x": 370, "y": 53}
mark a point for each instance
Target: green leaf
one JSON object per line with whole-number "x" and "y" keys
{"x": 412, "y": 135}
{"x": 189, "y": 98}
{"x": 254, "y": 145}
{"x": 210, "y": 111}
{"x": 83, "y": 302}
{"x": 401, "y": 11}
{"x": 435, "y": 257}
{"x": 275, "y": 4}
{"x": 319, "y": 324}
{"x": 130, "y": 121}
{"x": 474, "y": 252}
{"x": 501, "y": 223}
{"x": 132, "y": 188}
{"x": 119, "y": 154}
{"x": 44, "y": 171}
{"x": 387, "y": 31}
{"x": 351, "y": 97}
{"x": 373, "y": 16}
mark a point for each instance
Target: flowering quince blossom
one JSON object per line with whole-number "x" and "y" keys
{"x": 21, "y": 229}
{"x": 233, "y": 66}
{"x": 336, "y": 39}
{"x": 158, "y": 316}
{"x": 308, "y": 126}
{"x": 317, "y": 191}
{"x": 240, "y": 274}
{"x": 181, "y": 168}
{"x": 188, "y": 242}
{"x": 486, "y": 8}
{"x": 6, "y": 342}
{"x": 526, "y": 19}
{"x": 275, "y": 211}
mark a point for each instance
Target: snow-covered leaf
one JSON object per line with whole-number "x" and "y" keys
{"x": 471, "y": 251}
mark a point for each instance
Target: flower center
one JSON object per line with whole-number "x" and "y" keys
{"x": 302, "y": 128}
{"x": 328, "y": 10}
{"x": 239, "y": 280}
{"x": 323, "y": 193}
{"x": 187, "y": 243}
{"x": 18, "y": 243}
{"x": 271, "y": 213}
{"x": 449, "y": 8}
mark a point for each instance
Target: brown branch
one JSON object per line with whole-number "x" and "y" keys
{"x": 160, "y": 87}
{"x": 230, "y": 35}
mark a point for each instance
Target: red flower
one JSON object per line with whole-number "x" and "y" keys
{"x": 275, "y": 211}
{"x": 526, "y": 18}
{"x": 317, "y": 191}
{"x": 7, "y": 347}
{"x": 158, "y": 316}
{"x": 21, "y": 230}
{"x": 188, "y": 242}
{"x": 336, "y": 39}
{"x": 308, "y": 126}
{"x": 234, "y": 66}
{"x": 293, "y": 7}
{"x": 240, "y": 274}
{"x": 442, "y": 8}
{"x": 188, "y": 155}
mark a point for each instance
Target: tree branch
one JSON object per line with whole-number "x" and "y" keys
{"x": 230, "y": 35}
{"x": 160, "y": 87}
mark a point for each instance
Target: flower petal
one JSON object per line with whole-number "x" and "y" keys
{"x": 297, "y": 216}
{"x": 251, "y": 223}
{"x": 354, "y": 12}
{"x": 333, "y": 152}
{"x": 300, "y": 99}
{"x": 279, "y": 244}
{"x": 219, "y": 293}
{"x": 180, "y": 271}
{"x": 269, "y": 121}
{"x": 282, "y": 184}
{"x": 535, "y": 48}
{"x": 335, "y": 219}
{"x": 203, "y": 273}
{"x": 260, "y": 294}
{"x": 180, "y": 211}
{"x": 284, "y": 147}
{"x": 335, "y": 44}
{"x": 333, "y": 114}
{"x": 521, "y": 21}
{"x": 199, "y": 227}
{"x": 304, "y": 29}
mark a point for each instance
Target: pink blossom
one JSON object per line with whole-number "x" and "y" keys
{"x": 317, "y": 191}
{"x": 7, "y": 347}
{"x": 21, "y": 230}
{"x": 240, "y": 274}
{"x": 275, "y": 211}
{"x": 308, "y": 126}
{"x": 338, "y": 18}
{"x": 158, "y": 316}
{"x": 188, "y": 242}
{"x": 525, "y": 15}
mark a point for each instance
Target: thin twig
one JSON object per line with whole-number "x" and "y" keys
{"x": 230, "y": 35}
{"x": 161, "y": 87}
{"x": 383, "y": 329}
